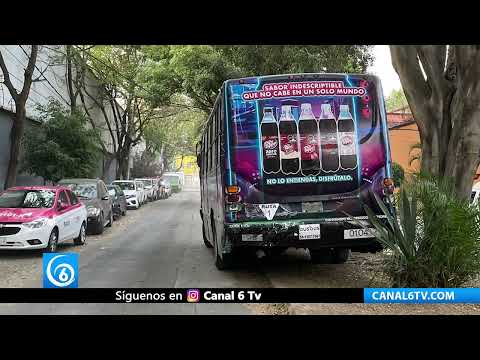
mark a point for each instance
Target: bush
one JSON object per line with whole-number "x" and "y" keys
{"x": 62, "y": 146}
{"x": 398, "y": 174}
{"x": 434, "y": 240}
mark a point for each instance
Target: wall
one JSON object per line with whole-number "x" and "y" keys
{"x": 401, "y": 140}
{"x": 22, "y": 178}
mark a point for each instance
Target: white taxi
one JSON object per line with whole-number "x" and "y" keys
{"x": 40, "y": 217}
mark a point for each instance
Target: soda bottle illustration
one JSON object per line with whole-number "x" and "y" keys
{"x": 347, "y": 139}
{"x": 289, "y": 154}
{"x": 270, "y": 142}
{"x": 309, "y": 149}
{"x": 328, "y": 139}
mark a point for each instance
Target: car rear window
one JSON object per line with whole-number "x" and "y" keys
{"x": 126, "y": 185}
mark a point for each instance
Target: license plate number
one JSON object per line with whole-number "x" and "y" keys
{"x": 309, "y": 232}
{"x": 359, "y": 233}
{"x": 252, "y": 237}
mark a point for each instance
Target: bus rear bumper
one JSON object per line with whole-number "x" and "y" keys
{"x": 286, "y": 234}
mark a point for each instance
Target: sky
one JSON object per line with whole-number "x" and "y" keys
{"x": 383, "y": 68}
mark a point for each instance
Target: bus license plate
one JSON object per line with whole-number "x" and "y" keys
{"x": 252, "y": 237}
{"x": 309, "y": 232}
{"x": 359, "y": 233}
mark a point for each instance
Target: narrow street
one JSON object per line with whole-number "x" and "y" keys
{"x": 160, "y": 246}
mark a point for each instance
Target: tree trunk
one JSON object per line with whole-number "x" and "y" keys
{"x": 107, "y": 162}
{"x": 162, "y": 160}
{"x": 181, "y": 164}
{"x": 123, "y": 157}
{"x": 16, "y": 135}
{"x": 443, "y": 94}
{"x": 71, "y": 93}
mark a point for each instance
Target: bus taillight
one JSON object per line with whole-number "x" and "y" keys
{"x": 233, "y": 198}
{"x": 233, "y": 189}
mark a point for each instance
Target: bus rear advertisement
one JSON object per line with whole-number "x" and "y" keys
{"x": 285, "y": 158}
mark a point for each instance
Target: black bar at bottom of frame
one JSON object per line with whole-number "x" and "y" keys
{"x": 184, "y": 295}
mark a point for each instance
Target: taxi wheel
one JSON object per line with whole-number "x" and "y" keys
{"x": 52, "y": 242}
{"x": 99, "y": 226}
{"x": 82, "y": 236}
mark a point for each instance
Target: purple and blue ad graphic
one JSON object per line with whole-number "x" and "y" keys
{"x": 295, "y": 139}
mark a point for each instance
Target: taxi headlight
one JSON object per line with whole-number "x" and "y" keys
{"x": 36, "y": 224}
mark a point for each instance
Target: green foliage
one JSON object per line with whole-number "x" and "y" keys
{"x": 396, "y": 100}
{"x": 175, "y": 134}
{"x": 415, "y": 153}
{"x": 199, "y": 71}
{"x": 434, "y": 241}
{"x": 398, "y": 174}
{"x": 62, "y": 146}
{"x": 145, "y": 165}
{"x": 254, "y": 60}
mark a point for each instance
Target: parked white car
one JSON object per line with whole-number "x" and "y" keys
{"x": 148, "y": 188}
{"x": 133, "y": 194}
{"x": 141, "y": 190}
{"x": 40, "y": 217}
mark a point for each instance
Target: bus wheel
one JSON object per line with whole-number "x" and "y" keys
{"x": 224, "y": 262}
{"x": 207, "y": 243}
{"x": 321, "y": 256}
{"x": 340, "y": 255}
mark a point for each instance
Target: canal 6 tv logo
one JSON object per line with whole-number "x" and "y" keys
{"x": 60, "y": 270}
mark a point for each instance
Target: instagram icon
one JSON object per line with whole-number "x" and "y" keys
{"x": 193, "y": 295}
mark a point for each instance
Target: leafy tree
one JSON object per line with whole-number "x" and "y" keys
{"x": 199, "y": 71}
{"x": 174, "y": 135}
{"x": 398, "y": 174}
{"x": 441, "y": 84}
{"x": 126, "y": 104}
{"x": 62, "y": 146}
{"x": 396, "y": 100}
{"x": 146, "y": 164}
{"x": 254, "y": 60}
